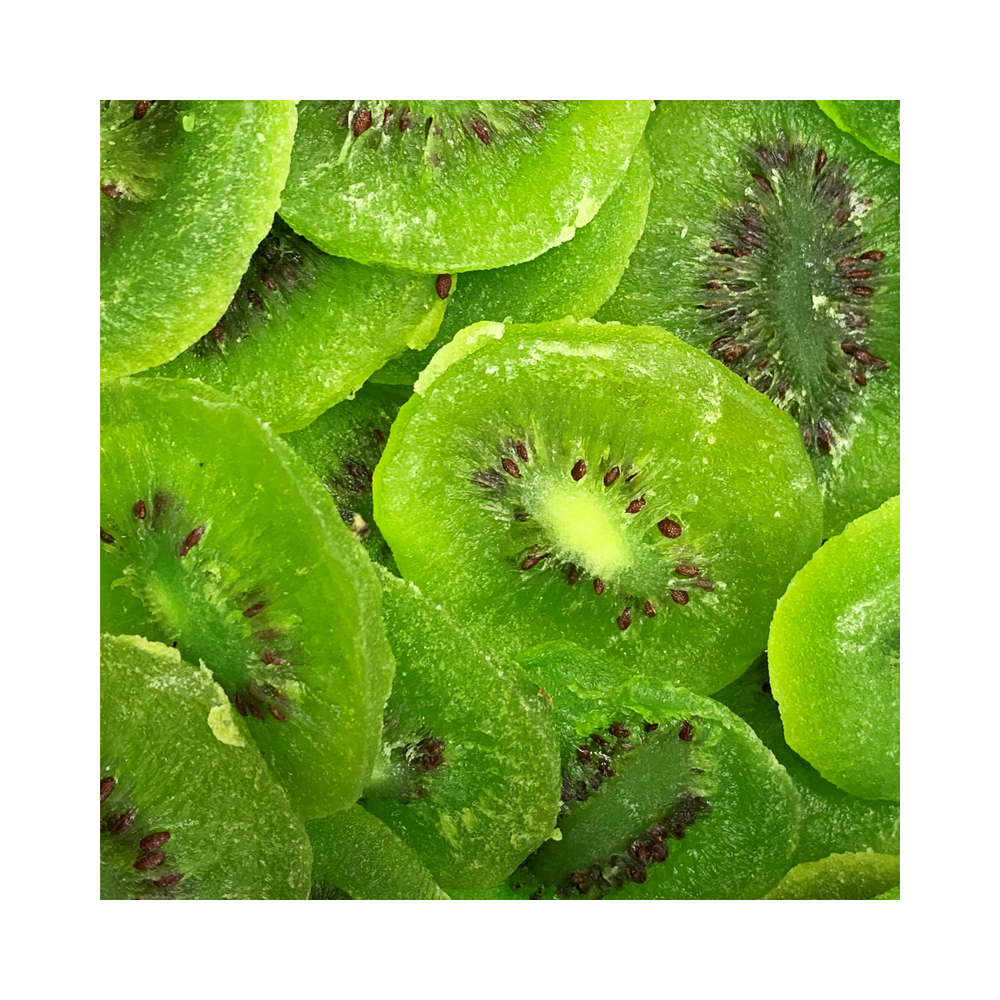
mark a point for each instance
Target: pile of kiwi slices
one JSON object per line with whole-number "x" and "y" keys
{"x": 500, "y": 500}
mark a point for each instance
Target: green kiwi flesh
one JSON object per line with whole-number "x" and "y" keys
{"x": 608, "y": 484}
{"x": 468, "y": 776}
{"x": 189, "y": 809}
{"x": 833, "y": 821}
{"x": 305, "y": 329}
{"x": 842, "y": 876}
{"x": 441, "y": 186}
{"x": 833, "y": 654}
{"x": 188, "y": 190}
{"x": 572, "y": 279}
{"x": 229, "y": 548}
{"x": 772, "y": 243}
{"x": 875, "y": 123}
{"x": 356, "y": 856}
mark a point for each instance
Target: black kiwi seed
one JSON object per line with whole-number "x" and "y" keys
{"x": 669, "y": 528}
{"x": 154, "y": 841}
{"x": 120, "y": 823}
{"x": 679, "y": 596}
{"x": 611, "y": 475}
{"x": 106, "y": 537}
{"x": 107, "y": 786}
{"x": 139, "y": 510}
{"x": 598, "y": 586}
{"x": 687, "y": 731}
{"x": 625, "y": 619}
{"x": 443, "y": 286}
{"x": 636, "y": 505}
{"x": 511, "y": 467}
{"x": 649, "y": 611}
{"x": 579, "y": 470}
{"x": 193, "y": 538}
{"x": 140, "y": 110}
{"x": 148, "y": 861}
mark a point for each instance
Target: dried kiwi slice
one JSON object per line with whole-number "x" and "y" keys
{"x": 572, "y": 279}
{"x": 599, "y": 482}
{"x": 833, "y": 821}
{"x": 772, "y": 243}
{"x": 230, "y": 549}
{"x": 305, "y": 330}
{"x": 862, "y": 875}
{"x": 188, "y": 807}
{"x": 834, "y": 657}
{"x": 188, "y": 189}
{"x": 356, "y": 856}
{"x": 468, "y": 776}
{"x": 439, "y": 186}
{"x": 875, "y": 123}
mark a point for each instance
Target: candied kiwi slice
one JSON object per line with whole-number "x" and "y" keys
{"x": 833, "y": 655}
{"x": 188, "y": 190}
{"x": 666, "y": 795}
{"x": 441, "y": 186}
{"x": 189, "y": 809}
{"x": 605, "y": 482}
{"x": 468, "y": 776}
{"x": 772, "y": 243}
{"x": 863, "y": 875}
{"x": 833, "y": 821}
{"x": 572, "y": 279}
{"x": 356, "y": 856}
{"x": 304, "y": 329}
{"x": 875, "y": 123}
{"x": 234, "y": 552}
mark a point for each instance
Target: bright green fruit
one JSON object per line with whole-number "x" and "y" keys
{"x": 305, "y": 330}
{"x": 772, "y": 243}
{"x": 841, "y": 876}
{"x": 892, "y": 893}
{"x": 439, "y": 186}
{"x": 188, "y": 190}
{"x": 188, "y": 807}
{"x": 607, "y": 484}
{"x": 222, "y": 542}
{"x": 875, "y": 123}
{"x": 834, "y": 657}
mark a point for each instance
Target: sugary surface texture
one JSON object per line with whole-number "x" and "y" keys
{"x": 842, "y": 876}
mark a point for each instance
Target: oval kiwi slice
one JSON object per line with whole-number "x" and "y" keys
{"x": 772, "y": 243}
{"x": 188, "y": 190}
{"x": 440, "y": 186}
{"x": 230, "y": 549}
{"x": 305, "y": 330}
{"x": 841, "y": 876}
{"x": 834, "y": 657}
{"x": 604, "y": 483}
{"x": 188, "y": 807}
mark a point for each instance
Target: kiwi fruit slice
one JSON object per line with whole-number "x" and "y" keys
{"x": 833, "y": 821}
{"x": 572, "y": 279}
{"x": 599, "y": 482}
{"x": 468, "y": 775}
{"x": 188, "y": 190}
{"x": 772, "y": 243}
{"x": 232, "y": 551}
{"x": 343, "y": 446}
{"x": 665, "y": 794}
{"x": 356, "y": 856}
{"x": 842, "y": 876}
{"x": 834, "y": 657}
{"x": 875, "y": 123}
{"x": 189, "y": 809}
{"x": 441, "y": 186}
{"x": 304, "y": 329}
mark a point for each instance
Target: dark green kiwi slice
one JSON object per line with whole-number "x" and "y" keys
{"x": 356, "y": 856}
{"x": 188, "y": 189}
{"x": 440, "y": 186}
{"x": 231, "y": 549}
{"x": 305, "y": 329}
{"x": 834, "y": 657}
{"x": 468, "y": 775}
{"x": 665, "y": 794}
{"x": 833, "y": 821}
{"x": 189, "y": 809}
{"x": 572, "y": 279}
{"x": 343, "y": 446}
{"x": 772, "y": 243}
{"x": 603, "y": 483}
{"x": 842, "y": 876}
{"x": 875, "y": 123}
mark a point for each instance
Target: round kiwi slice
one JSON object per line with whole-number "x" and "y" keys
{"x": 599, "y": 482}
{"x": 833, "y": 821}
{"x": 572, "y": 279}
{"x": 440, "y": 186}
{"x": 356, "y": 856}
{"x": 305, "y": 330}
{"x": 665, "y": 794}
{"x": 231, "y": 550}
{"x": 834, "y": 657}
{"x": 772, "y": 243}
{"x": 468, "y": 776}
{"x": 875, "y": 123}
{"x": 188, "y": 807}
{"x": 188, "y": 189}
{"x": 841, "y": 876}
